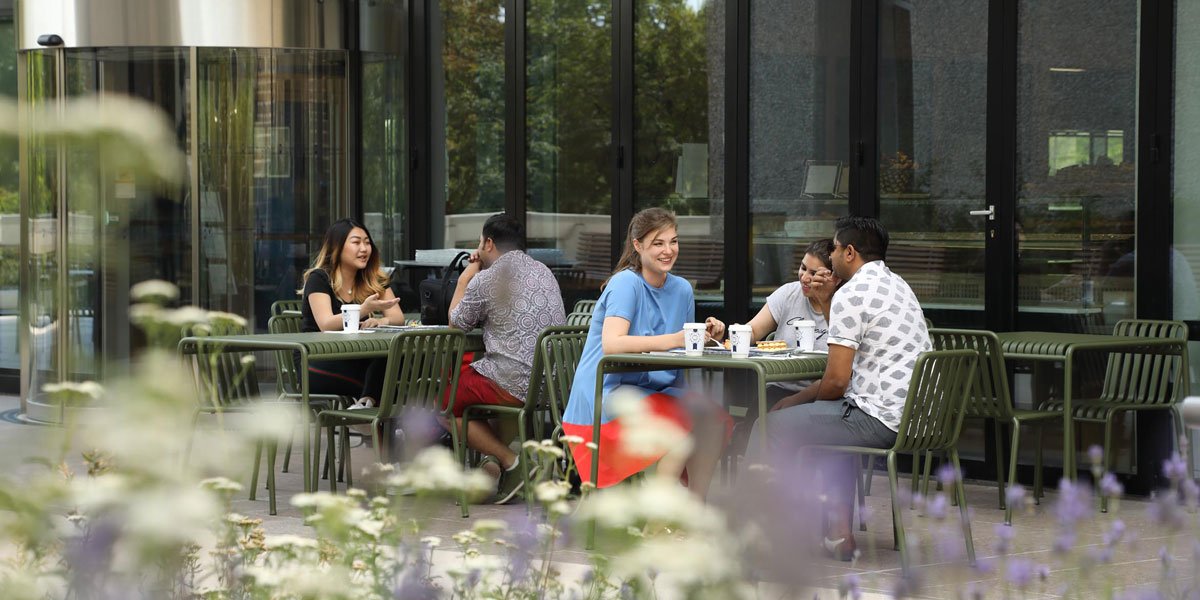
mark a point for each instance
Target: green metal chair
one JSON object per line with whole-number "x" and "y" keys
{"x": 557, "y": 355}
{"x": 584, "y": 306}
{"x": 990, "y": 399}
{"x": 280, "y": 307}
{"x": 1137, "y": 382}
{"x": 289, "y": 380}
{"x": 580, "y": 319}
{"x": 932, "y": 419}
{"x": 226, "y": 386}
{"x": 421, "y": 367}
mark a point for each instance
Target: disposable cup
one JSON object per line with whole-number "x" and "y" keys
{"x": 739, "y": 340}
{"x": 350, "y": 314}
{"x": 693, "y": 339}
{"x": 806, "y": 335}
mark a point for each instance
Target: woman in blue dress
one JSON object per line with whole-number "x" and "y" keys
{"x": 642, "y": 309}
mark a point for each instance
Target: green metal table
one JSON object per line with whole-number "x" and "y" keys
{"x": 767, "y": 369}
{"x": 321, "y": 346}
{"x": 1045, "y": 346}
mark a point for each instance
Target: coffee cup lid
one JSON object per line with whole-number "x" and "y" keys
{"x": 351, "y": 306}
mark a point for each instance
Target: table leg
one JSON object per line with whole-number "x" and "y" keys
{"x": 310, "y": 478}
{"x": 1068, "y": 422}
{"x": 760, "y": 379}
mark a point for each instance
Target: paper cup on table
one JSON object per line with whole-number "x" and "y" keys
{"x": 806, "y": 335}
{"x": 693, "y": 339}
{"x": 739, "y": 340}
{"x": 350, "y": 314}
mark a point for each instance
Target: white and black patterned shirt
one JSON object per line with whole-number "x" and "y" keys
{"x": 878, "y": 315}
{"x": 513, "y": 301}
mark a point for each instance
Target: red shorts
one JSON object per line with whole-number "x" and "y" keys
{"x": 474, "y": 389}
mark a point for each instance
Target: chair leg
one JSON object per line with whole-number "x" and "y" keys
{"x": 287, "y": 454}
{"x": 869, "y": 465}
{"x": 1180, "y": 444}
{"x": 916, "y": 478}
{"x": 1012, "y": 470}
{"x": 897, "y": 511}
{"x": 330, "y": 437}
{"x": 258, "y": 448}
{"x": 1037, "y": 467}
{"x": 345, "y": 438}
{"x": 864, "y": 475}
{"x": 999, "y": 432}
{"x": 272, "y": 450}
{"x": 1107, "y": 460}
{"x": 457, "y": 434}
{"x": 962, "y": 508}
{"x": 522, "y": 435}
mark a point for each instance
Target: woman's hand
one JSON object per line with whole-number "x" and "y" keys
{"x": 373, "y": 304}
{"x": 372, "y": 323}
{"x": 714, "y": 328}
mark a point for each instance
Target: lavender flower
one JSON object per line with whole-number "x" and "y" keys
{"x": 1110, "y": 487}
{"x": 1074, "y": 503}
{"x": 1020, "y": 572}
{"x": 936, "y": 508}
{"x": 1004, "y": 538}
{"x": 1175, "y": 468}
{"x": 850, "y": 586}
{"x": 947, "y": 475}
{"x": 1095, "y": 454}
{"x": 1015, "y": 494}
{"x": 1114, "y": 533}
{"x": 1064, "y": 542}
{"x": 1164, "y": 509}
{"x": 1191, "y": 492}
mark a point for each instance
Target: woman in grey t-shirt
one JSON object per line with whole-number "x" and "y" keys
{"x": 796, "y": 301}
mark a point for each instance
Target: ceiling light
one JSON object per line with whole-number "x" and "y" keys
{"x": 1066, "y": 70}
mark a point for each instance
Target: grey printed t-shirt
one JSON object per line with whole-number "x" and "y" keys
{"x": 513, "y": 301}
{"x": 877, "y": 314}
{"x": 787, "y": 305}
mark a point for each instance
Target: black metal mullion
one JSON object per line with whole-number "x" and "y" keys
{"x": 515, "y": 146}
{"x": 738, "y": 267}
{"x": 1000, "y": 276}
{"x": 864, "y": 107}
{"x": 622, "y": 122}
{"x": 354, "y": 81}
{"x": 419, "y": 131}
{"x": 1155, "y": 223}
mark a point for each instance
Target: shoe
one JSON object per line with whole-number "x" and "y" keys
{"x": 491, "y": 465}
{"x": 512, "y": 481}
{"x": 361, "y": 403}
{"x": 842, "y": 549}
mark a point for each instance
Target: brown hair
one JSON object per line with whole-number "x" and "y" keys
{"x": 369, "y": 280}
{"x": 822, "y": 249}
{"x": 642, "y": 224}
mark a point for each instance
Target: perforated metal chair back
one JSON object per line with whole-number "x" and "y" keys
{"x": 559, "y": 350}
{"x": 584, "y": 306}
{"x": 421, "y": 367}
{"x": 1147, "y": 379}
{"x": 279, "y": 306}
{"x": 990, "y": 396}
{"x": 936, "y": 401}
{"x": 285, "y": 366}
{"x": 580, "y": 319}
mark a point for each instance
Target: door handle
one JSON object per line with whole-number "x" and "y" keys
{"x": 990, "y": 213}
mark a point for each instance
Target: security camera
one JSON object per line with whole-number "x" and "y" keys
{"x": 51, "y": 40}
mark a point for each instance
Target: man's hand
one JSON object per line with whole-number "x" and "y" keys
{"x": 790, "y": 401}
{"x": 823, "y": 283}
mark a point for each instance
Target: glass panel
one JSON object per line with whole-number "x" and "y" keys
{"x": 569, "y": 120}
{"x": 385, "y": 161}
{"x": 1076, "y": 153}
{"x": 932, "y": 137}
{"x": 82, "y": 262}
{"x": 799, "y": 132}
{"x": 468, "y": 120}
{"x": 271, "y": 134}
{"x": 10, "y": 213}
{"x": 679, "y": 131}
{"x": 40, "y": 221}
{"x": 1185, "y": 256}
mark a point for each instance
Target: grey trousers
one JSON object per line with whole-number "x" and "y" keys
{"x": 821, "y": 422}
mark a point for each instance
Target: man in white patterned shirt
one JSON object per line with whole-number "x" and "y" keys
{"x": 876, "y": 332}
{"x": 513, "y": 298}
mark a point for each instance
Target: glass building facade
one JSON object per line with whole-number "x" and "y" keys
{"x": 1062, "y": 126}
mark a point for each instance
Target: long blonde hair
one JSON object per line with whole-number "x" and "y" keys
{"x": 369, "y": 280}
{"x": 644, "y": 223}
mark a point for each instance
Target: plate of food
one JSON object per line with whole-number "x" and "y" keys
{"x": 771, "y": 347}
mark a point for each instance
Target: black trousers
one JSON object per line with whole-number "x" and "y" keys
{"x": 354, "y": 378}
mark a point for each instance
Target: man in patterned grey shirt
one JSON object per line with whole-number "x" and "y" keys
{"x": 876, "y": 332}
{"x": 513, "y": 298}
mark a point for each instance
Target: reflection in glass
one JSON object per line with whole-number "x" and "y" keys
{"x": 468, "y": 119}
{"x": 271, "y": 135}
{"x": 568, "y": 118}
{"x": 10, "y": 214}
{"x": 384, "y": 156}
{"x": 799, "y": 132}
{"x": 1076, "y": 156}
{"x": 679, "y": 124}
{"x": 40, "y": 220}
{"x": 1185, "y": 255}
{"x": 932, "y": 138}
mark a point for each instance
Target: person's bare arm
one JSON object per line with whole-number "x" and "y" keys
{"x": 322, "y": 310}
{"x": 837, "y": 373}
{"x": 392, "y": 314}
{"x": 762, "y": 324}
{"x": 615, "y": 339}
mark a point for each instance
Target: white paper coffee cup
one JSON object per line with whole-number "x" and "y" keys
{"x": 739, "y": 340}
{"x": 693, "y": 339}
{"x": 806, "y": 335}
{"x": 350, "y": 314}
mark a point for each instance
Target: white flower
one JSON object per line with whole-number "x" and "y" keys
{"x": 593, "y": 446}
{"x": 435, "y": 470}
{"x": 273, "y": 542}
{"x": 551, "y": 491}
{"x": 657, "y": 501}
{"x": 371, "y": 527}
{"x": 217, "y": 317}
{"x": 145, "y": 313}
{"x": 489, "y": 525}
{"x": 570, "y": 439}
{"x": 560, "y": 508}
{"x": 152, "y": 289}
{"x": 221, "y": 484}
{"x": 531, "y": 445}
{"x": 679, "y": 565}
{"x": 431, "y": 541}
{"x": 316, "y": 500}
{"x": 186, "y": 315}
{"x": 248, "y": 360}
